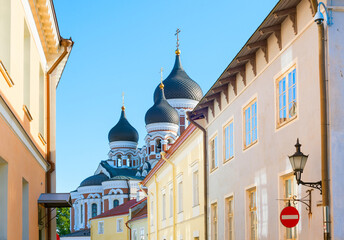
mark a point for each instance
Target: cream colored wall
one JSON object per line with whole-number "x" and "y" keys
{"x": 263, "y": 164}
{"x": 138, "y": 225}
{"x": 110, "y": 228}
{"x": 189, "y": 223}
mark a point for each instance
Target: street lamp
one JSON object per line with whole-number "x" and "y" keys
{"x": 298, "y": 162}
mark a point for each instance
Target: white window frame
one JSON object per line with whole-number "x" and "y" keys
{"x": 249, "y": 124}
{"x": 119, "y": 223}
{"x": 142, "y": 233}
{"x": 101, "y": 227}
{"x": 229, "y": 214}
{"x": 195, "y": 188}
{"x": 228, "y": 144}
{"x": 251, "y": 210}
{"x": 213, "y": 153}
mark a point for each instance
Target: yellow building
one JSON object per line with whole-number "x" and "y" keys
{"x": 137, "y": 223}
{"x": 176, "y": 190}
{"x": 111, "y": 224}
{"x": 32, "y": 58}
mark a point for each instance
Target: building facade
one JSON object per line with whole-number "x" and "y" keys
{"x": 32, "y": 58}
{"x": 175, "y": 190}
{"x": 116, "y": 180}
{"x": 266, "y": 99}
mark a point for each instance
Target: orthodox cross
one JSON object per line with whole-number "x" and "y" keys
{"x": 177, "y": 34}
{"x": 161, "y": 70}
{"x": 123, "y": 99}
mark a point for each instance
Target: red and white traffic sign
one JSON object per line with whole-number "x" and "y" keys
{"x": 289, "y": 217}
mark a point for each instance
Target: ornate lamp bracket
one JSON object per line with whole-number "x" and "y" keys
{"x": 307, "y": 200}
{"x": 316, "y": 185}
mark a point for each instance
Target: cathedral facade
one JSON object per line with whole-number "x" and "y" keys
{"x": 117, "y": 179}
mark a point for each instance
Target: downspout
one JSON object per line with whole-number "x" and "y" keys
{"x": 325, "y": 179}
{"x": 205, "y": 170}
{"x": 127, "y": 224}
{"x": 163, "y": 155}
{"x": 156, "y": 197}
{"x": 65, "y": 43}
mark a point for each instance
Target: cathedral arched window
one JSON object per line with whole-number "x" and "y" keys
{"x": 115, "y": 203}
{"x": 158, "y": 145}
{"x": 81, "y": 214}
{"x": 94, "y": 210}
{"x": 169, "y": 141}
{"x": 129, "y": 163}
{"x": 119, "y": 161}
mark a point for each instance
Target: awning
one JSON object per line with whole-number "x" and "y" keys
{"x": 54, "y": 200}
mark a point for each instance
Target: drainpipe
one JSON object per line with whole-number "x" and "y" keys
{"x": 65, "y": 43}
{"x": 156, "y": 197}
{"x": 163, "y": 155}
{"x": 325, "y": 179}
{"x": 205, "y": 170}
{"x": 127, "y": 224}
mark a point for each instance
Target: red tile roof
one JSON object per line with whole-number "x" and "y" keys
{"x": 119, "y": 210}
{"x": 140, "y": 214}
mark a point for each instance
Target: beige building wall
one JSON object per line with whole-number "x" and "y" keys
{"x": 28, "y": 48}
{"x": 109, "y": 228}
{"x": 185, "y": 216}
{"x": 139, "y": 228}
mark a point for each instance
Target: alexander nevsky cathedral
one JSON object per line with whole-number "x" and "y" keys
{"x": 116, "y": 180}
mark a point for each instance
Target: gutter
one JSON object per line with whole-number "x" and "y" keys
{"x": 163, "y": 156}
{"x": 126, "y": 224}
{"x": 65, "y": 43}
{"x": 205, "y": 174}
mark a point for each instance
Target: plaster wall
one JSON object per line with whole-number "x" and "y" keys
{"x": 110, "y": 228}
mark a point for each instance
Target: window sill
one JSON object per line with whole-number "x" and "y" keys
{"x": 40, "y": 136}
{"x": 214, "y": 169}
{"x": 286, "y": 122}
{"x": 228, "y": 160}
{"x": 250, "y": 145}
{"x": 27, "y": 113}
{"x": 6, "y": 75}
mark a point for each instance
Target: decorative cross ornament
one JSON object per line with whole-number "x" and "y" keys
{"x": 161, "y": 84}
{"x": 177, "y": 34}
{"x": 123, "y": 101}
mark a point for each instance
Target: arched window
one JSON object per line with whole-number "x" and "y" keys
{"x": 81, "y": 214}
{"x": 119, "y": 161}
{"x": 169, "y": 141}
{"x": 94, "y": 210}
{"x": 115, "y": 203}
{"x": 158, "y": 145}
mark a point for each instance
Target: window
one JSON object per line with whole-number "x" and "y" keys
{"x": 101, "y": 227}
{"x": 94, "y": 210}
{"x": 180, "y": 196}
{"x": 290, "y": 187}
{"x": 41, "y": 102}
{"x": 195, "y": 189}
{"x": 25, "y": 210}
{"x": 3, "y": 197}
{"x": 120, "y": 225}
{"x": 250, "y": 116}
{"x": 229, "y": 218}
{"x": 228, "y": 141}
{"x": 252, "y": 210}
{"x": 142, "y": 234}
{"x": 158, "y": 146}
{"x": 171, "y": 202}
{"x": 214, "y": 221}
{"x": 286, "y": 97}
{"x": 115, "y": 203}
{"x": 129, "y": 164}
{"x": 81, "y": 214}
{"x": 152, "y": 213}
{"x": 134, "y": 234}
{"x": 213, "y": 153}
{"x": 163, "y": 206}
{"x": 26, "y": 74}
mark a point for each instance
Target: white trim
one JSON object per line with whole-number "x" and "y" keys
{"x": 123, "y": 144}
{"x": 182, "y": 103}
{"x": 162, "y": 126}
{"x": 90, "y": 189}
{"x": 6, "y": 114}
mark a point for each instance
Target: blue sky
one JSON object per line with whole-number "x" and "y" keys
{"x": 120, "y": 46}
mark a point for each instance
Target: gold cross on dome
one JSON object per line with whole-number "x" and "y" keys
{"x": 123, "y": 101}
{"x": 161, "y": 70}
{"x": 177, "y": 34}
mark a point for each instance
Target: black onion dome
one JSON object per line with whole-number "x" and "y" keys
{"x": 94, "y": 180}
{"x": 161, "y": 111}
{"x": 123, "y": 131}
{"x": 179, "y": 85}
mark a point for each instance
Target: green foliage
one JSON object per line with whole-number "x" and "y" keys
{"x": 62, "y": 221}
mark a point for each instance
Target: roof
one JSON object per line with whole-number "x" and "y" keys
{"x": 182, "y": 138}
{"x": 94, "y": 180}
{"x": 123, "y": 131}
{"x": 140, "y": 214}
{"x": 119, "y": 210}
{"x": 179, "y": 85}
{"x": 161, "y": 111}
{"x": 258, "y": 40}
{"x": 128, "y": 172}
{"x": 81, "y": 233}
{"x": 53, "y": 200}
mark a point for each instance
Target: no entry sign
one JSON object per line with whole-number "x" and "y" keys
{"x": 289, "y": 217}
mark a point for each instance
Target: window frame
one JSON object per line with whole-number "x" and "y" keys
{"x": 285, "y": 74}
{"x": 250, "y": 211}
{"x": 214, "y": 221}
{"x": 103, "y": 230}
{"x": 195, "y": 187}
{"x": 227, "y": 125}
{"x": 227, "y": 231}
{"x": 119, "y": 220}
{"x": 249, "y": 106}
{"x": 214, "y": 164}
